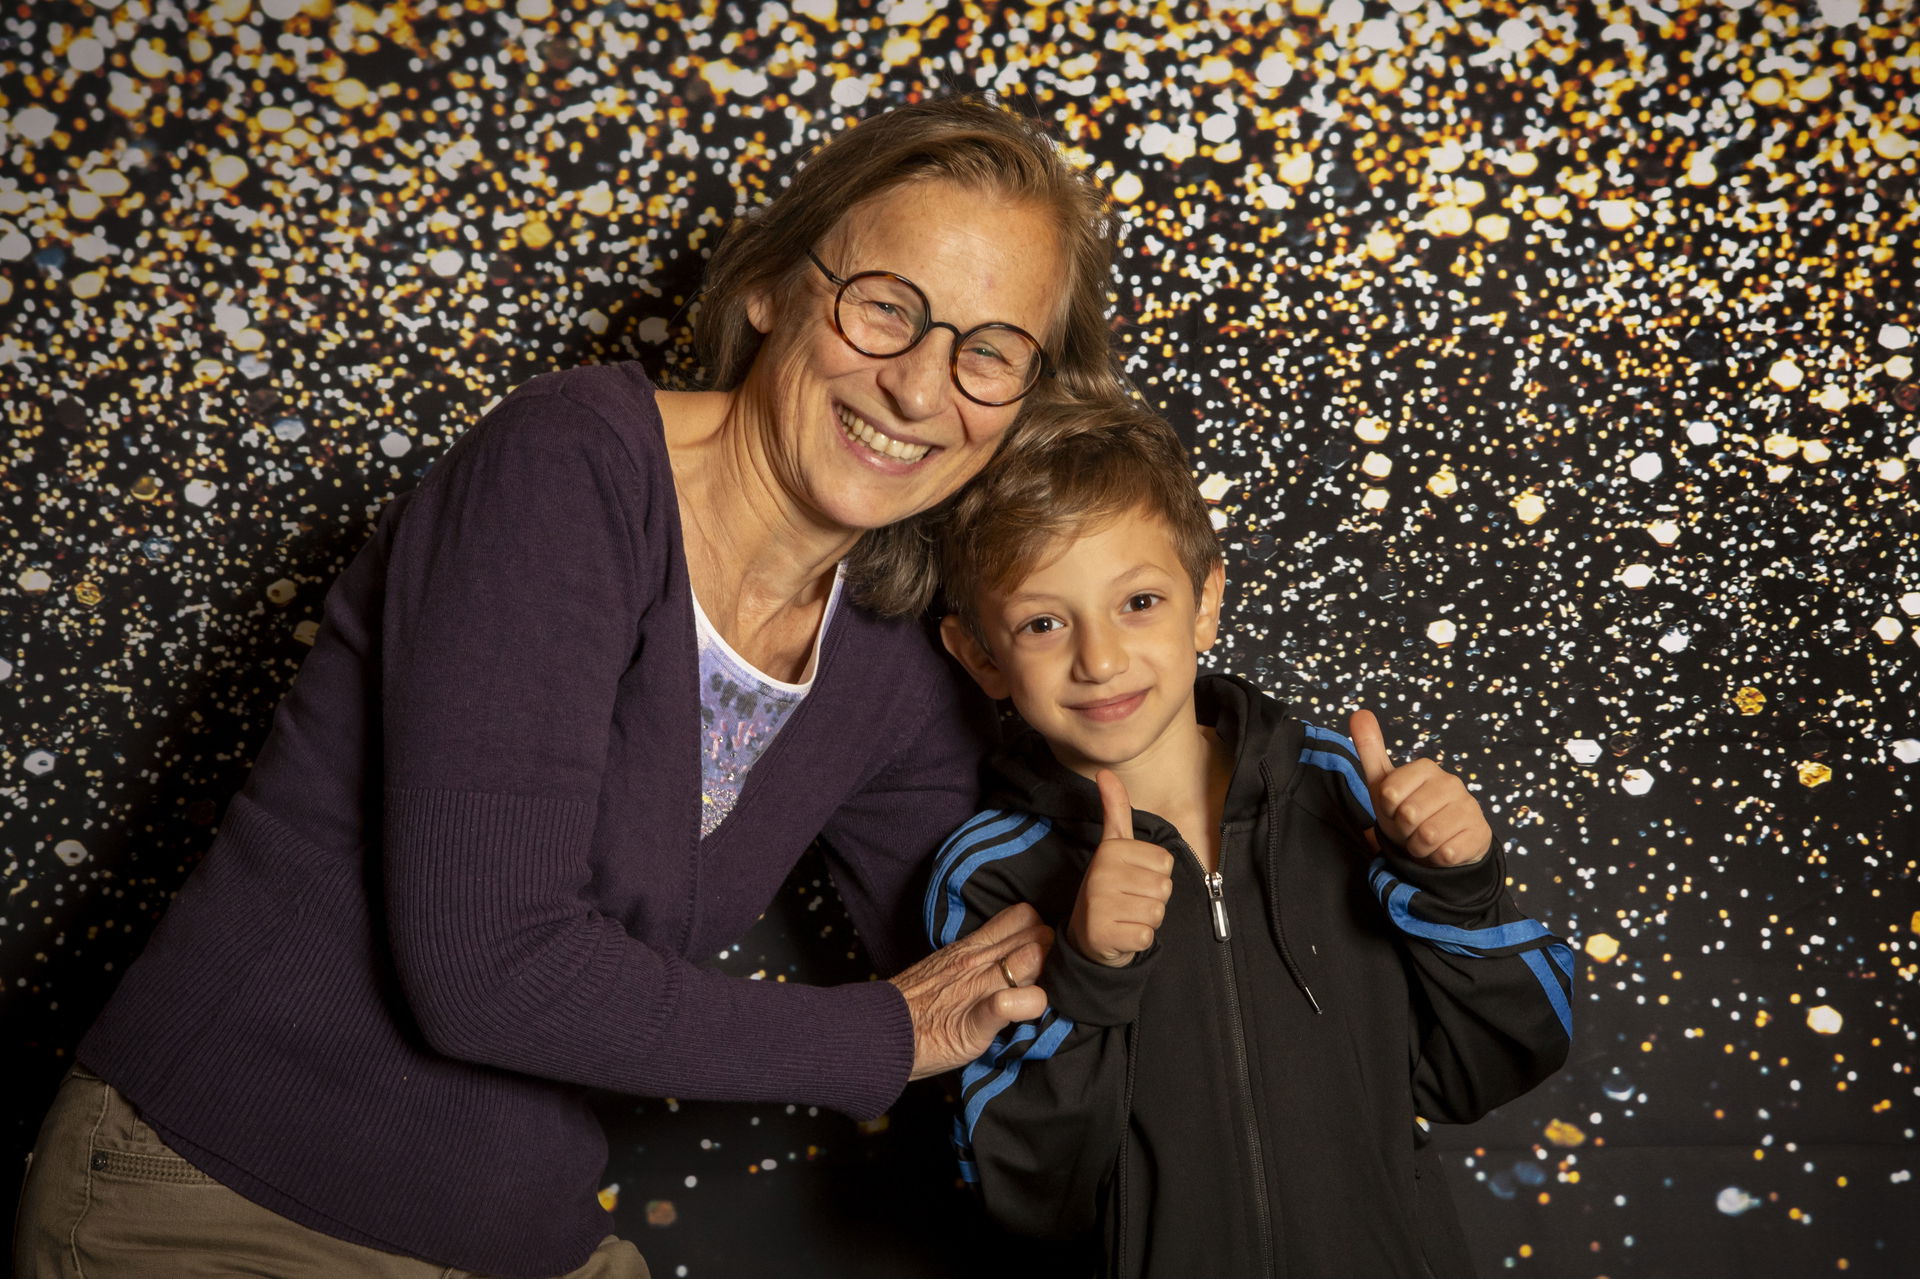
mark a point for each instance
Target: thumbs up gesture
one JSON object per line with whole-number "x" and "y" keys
{"x": 1420, "y": 806}
{"x": 1124, "y": 895}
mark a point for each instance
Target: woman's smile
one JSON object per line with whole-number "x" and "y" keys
{"x": 871, "y": 438}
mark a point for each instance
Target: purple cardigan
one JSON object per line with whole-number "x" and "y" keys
{"x": 466, "y": 877}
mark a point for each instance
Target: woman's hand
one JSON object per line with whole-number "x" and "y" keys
{"x": 958, "y": 996}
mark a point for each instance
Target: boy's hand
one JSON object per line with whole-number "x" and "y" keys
{"x": 1124, "y": 895}
{"x": 1420, "y": 805}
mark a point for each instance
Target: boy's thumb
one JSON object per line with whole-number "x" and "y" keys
{"x": 1375, "y": 763}
{"x": 1114, "y": 803}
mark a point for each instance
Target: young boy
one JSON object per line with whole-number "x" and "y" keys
{"x": 1274, "y": 948}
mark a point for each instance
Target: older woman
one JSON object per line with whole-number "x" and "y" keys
{"x": 572, "y": 716}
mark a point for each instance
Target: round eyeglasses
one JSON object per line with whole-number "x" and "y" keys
{"x": 881, "y": 314}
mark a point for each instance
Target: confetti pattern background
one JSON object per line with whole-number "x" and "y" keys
{"x": 1551, "y": 370}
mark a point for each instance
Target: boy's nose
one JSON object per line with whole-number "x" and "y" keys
{"x": 1100, "y": 655}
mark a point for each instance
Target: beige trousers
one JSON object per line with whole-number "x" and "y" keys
{"x": 105, "y": 1198}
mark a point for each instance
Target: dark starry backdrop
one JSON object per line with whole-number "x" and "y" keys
{"x": 1551, "y": 374}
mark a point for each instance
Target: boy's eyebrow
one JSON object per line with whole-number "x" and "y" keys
{"x": 1023, "y": 597}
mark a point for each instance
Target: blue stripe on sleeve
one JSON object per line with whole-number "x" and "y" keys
{"x": 1334, "y": 762}
{"x": 1551, "y": 984}
{"x": 1000, "y": 1066}
{"x": 963, "y": 855}
{"x": 1459, "y": 941}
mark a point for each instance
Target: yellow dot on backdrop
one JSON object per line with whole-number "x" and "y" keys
{"x": 1767, "y": 91}
{"x": 1523, "y": 164}
{"x": 106, "y": 182}
{"x": 1615, "y": 215}
{"x": 88, "y": 284}
{"x": 1442, "y": 632}
{"x": 1665, "y": 532}
{"x": 248, "y": 340}
{"x": 1701, "y": 171}
{"x": 1824, "y": 1019}
{"x": 1529, "y": 507}
{"x": 597, "y": 200}
{"x": 1814, "y": 87}
{"x": 1561, "y": 1133}
{"x": 1375, "y": 499}
{"x": 533, "y": 10}
{"x": 1900, "y": 367}
{"x": 84, "y": 204}
{"x": 87, "y": 594}
{"x": 1785, "y": 374}
{"x": 1216, "y": 70}
{"x": 1442, "y": 483}
{"x": 275, "y": 119}
{"x": 1813, "y": 773}
{"x": 1888, "y": 629}
{"x": 1780, "y": 444}
{"x": 1372, "y": 430}
{"x": 1446, "y": 157}
{"x": 1382, "y": 245}
{"x": 1469, "y": 192}
{"x": 1378, "y": 465}
{"x": 350, "y": 93}
{"x": 1297, "y": 169}
{"x": 1127, "y": 188}
{"x": 228, "y": 170}
{"x": 1913, "y": 925}
{"x": 1749, "y": 700}
{"x": 1549, "y": 206}
{"x": 1833, "y": 399}
{"x": 1448, "y": 219}
{"x": 536, "y": 235}
{"x": 1493, "y": 226}
{"x": 1386, "y": 76}
{"x": 1601, "y": 948}
{"x": 1892, "y": 146}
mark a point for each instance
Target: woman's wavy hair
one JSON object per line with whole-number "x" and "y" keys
{"x": 975, "y": 143}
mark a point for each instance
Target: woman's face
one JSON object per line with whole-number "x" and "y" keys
{"x": 861, "y": 442}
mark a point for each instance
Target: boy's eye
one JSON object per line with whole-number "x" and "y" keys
{"x": 1042, "y": 625}
{"x": 1141, "y": 602}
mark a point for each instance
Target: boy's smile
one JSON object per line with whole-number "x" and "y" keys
{"x": 1097, "y": 647}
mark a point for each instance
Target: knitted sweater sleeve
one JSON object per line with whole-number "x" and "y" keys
{"x": 518, "y": 585}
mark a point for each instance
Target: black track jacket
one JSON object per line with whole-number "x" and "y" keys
{"x": 1240, "y": 1100}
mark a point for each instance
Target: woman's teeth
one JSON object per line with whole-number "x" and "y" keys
{"x": 884, "y": 445}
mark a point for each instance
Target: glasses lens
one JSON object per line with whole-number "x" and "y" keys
{"x": 996, "y": 363}
{"x": 881, "y": 314}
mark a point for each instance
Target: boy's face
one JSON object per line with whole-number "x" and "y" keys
{"x": 1097, "y": 645}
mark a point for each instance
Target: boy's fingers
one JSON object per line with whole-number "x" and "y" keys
{"x": 1375, "y": 763}
{"x": 1113, "y": 800}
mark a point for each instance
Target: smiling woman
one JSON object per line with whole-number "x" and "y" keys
{"x": 572, "y": 716}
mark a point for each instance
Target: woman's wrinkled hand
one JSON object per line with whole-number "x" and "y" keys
{"x": 958, "y": 996}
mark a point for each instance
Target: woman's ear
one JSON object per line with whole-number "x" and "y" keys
{"x": 760, "y": 311}
{"x": 1206, "y": 616}
{"x": 972, "y": 654}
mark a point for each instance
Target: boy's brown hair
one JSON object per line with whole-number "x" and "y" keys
{"x": 1075, "y": 464}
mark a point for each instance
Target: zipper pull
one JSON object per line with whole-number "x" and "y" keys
{"x": 1217, "y": 898}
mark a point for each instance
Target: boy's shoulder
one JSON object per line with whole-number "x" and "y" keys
{"x": 996, "y": 858}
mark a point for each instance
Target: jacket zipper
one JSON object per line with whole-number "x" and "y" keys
{"x": 1237, "y": 1038}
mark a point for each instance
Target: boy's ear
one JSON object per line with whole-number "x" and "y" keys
{"x": 1206, "y": 618}
{"x": 970, "y": 653}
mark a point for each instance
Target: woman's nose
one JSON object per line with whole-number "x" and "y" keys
{"x": 919, "y": 382}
